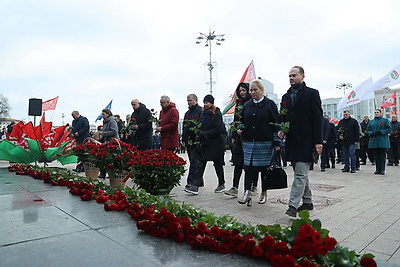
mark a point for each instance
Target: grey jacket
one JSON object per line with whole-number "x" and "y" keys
{"x": 109, "y": 130}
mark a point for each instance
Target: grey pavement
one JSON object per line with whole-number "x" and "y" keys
{"x": 44, "y": 225}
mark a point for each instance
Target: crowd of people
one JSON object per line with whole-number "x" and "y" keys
{"x": 257, "y": 138}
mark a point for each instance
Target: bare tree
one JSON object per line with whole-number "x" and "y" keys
{"x": 4, "y": 107}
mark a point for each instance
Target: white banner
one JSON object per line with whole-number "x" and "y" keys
{"x": 392, "y": 78}
{"x": 357, "y": 94}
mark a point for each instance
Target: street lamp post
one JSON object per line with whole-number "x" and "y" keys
{"x": 208, "y": 40}
{"x": 344, "y": 86}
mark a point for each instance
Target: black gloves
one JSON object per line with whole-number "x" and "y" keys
{"x": 378, "y": 133}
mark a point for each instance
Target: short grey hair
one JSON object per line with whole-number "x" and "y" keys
{"x": 165, "y": 97}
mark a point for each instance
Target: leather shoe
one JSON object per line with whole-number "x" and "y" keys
{"x": 376, "y": 172}
{"x": 305, "y": 206}
{"x": 352, "y": 171}
{"x": 344, "y": 170}
{"x": 382, "y": 173}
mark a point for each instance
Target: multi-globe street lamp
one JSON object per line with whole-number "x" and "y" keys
{"x": 218, "y": 38}
{"x": 344, "y": 86}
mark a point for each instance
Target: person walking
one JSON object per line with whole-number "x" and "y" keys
{"x": 243, "y": 95}
{"x": 260, "y": 138}
{"x": 209, "y": 147}
{"x": 80, "y": 131}
{"x": 378, "y": 131}
{"x": 191, "y": 117}
{"x": 168, "y": 124}
{"x": 304, "y": 113}
{"x": 393, "y": 153}
{"x": 140, "y": 126}
{"x": 349, "y": 133}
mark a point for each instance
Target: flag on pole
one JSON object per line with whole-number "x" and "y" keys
{"x": 394, "y": 111}
{"x": 49, "y": 104}
{"x": 392, "y": 78}
{"x": 359, "y": 93}
{"x": 108, "y": 107}
{"x": 248, "y": 75}
{"x": 391, "y": 101}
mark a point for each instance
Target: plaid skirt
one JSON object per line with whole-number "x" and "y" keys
{"x": 257, "y": 154}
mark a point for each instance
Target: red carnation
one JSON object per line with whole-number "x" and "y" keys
{"x": 133, "y": 119}
{"x": 238, "y": 101}
{"x": 283, "y": 104}
{"x": 306, "y": 230}
{"x": 330, "y": 243}
{"x": 381, "y": 123}
{"x": 316, "y": 238}
{"x": 368, "y": 262}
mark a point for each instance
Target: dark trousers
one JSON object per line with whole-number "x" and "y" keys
{"x": 200, "y": 166}
{"x": 380, "y": 159}
{"x": 251, "y": 180}
{"x": 237, "y": 172}
{"x": 393, "y": 152}
{"x": 324, "y": 157}
{"x": 364, "y": 151}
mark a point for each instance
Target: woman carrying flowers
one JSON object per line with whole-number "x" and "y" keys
{"x": 260, "y": 137}
{"x": 243, "y": 95}
{"x": 210, "y": 146}
{"x": 378, "y": 130}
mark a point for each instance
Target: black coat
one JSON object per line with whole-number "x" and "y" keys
{"x": 237, "y": 147}
{"x": 259, "y": 121}
{"x": 211, "y": 146}
{"x": 364, "y": 139}
{"x": 142, "y": 138}
{"x": 350, "y": 130}
{"x": 305, "y": 117}
{"x": 81, "y": 126}
{"x": 192, "y": 114}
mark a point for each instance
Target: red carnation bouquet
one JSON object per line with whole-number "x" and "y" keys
{"x": 156, "y": 169}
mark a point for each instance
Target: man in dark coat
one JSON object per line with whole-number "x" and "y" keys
{"x": 393, "y": 152}
{"x": 140, "y": 126}
{"x": 304, "y": 113}
{"x": 364, "y": 140}
{"x": 326, "y": 129}
{"x": 349, "y": 133}
{"x": 193, "y": 114}
{"x": 189, "y": 135}
{"x": 80, "y": 131}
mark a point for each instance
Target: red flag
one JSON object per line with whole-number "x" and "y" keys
{"x": 248, "y": 75}
{"x": 29, "y": 130}
{"x": 50, "y": 104}
{"x": 390, "y": 101}
{"x": 60, "y": 132}
{"x": 394, "y": 111}
{"x": 46, "y": 126}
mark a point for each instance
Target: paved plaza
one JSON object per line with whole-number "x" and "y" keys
{"x": 47, "y": 226}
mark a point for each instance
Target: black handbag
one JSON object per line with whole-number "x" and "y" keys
{"x": 275, "y": 177}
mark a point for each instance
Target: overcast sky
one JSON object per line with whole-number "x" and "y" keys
{"x": 89, "y": 52}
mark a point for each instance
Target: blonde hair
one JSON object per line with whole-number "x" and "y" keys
{"x": 259, "y": 84}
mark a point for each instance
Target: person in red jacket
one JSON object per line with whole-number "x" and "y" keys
{"x": 168, "y": 125}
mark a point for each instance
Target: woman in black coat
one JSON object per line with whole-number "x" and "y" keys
{"x": 260, "y": 138}
{"x": 243, "y": 95}
{"x": 210, "y": 146}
